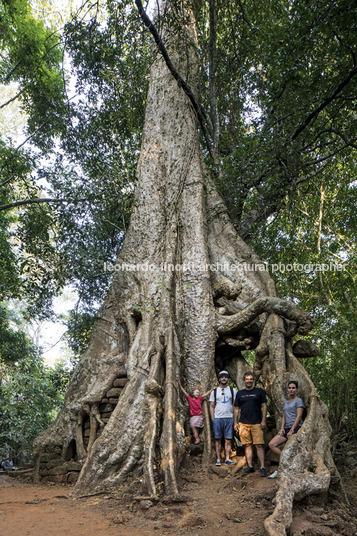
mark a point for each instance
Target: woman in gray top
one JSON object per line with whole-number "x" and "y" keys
{"x": 291, "y": 421}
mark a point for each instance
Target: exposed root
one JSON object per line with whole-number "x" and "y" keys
{"x": 168, "y": 438}
{"x": 95, "y": 411}
{"x": 305, "y": 463}
{"x": 152, "y": 401}
{"x": 91, "y": 495}
{"x": 295, "y": 486}
{"x": 207, "y": 447}
{"x": 228, "y": 324}
{"x": 81, "y": 451}
{"x": 93, "y": 420}
{"x": 245, "y": 344}
{"x": 225, "y": 287}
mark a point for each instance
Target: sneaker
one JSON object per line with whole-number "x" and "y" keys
{"x": 262, "y": 471}
{"x": 249, "y": 469}
{"x": 229, "y": 462}
{"x": 218, "y": 462}
{"x": 274, "y": 475}
{"x": 197, "y": 440}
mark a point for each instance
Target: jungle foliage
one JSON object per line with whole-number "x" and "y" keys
{"x": 30, "y": 393}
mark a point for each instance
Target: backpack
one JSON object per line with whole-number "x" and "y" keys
{"x": 215, "y": 394}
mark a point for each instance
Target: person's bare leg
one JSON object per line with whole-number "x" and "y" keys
{"x": 260, "y": 454}
{"x": 195, "y": 434}
{"x": 275, "y": 442}
{"x": 218, "y": 443}
{"x": 227, "y": 448}
{"x": 249, "y": 454}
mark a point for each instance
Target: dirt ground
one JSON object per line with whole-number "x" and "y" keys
{"x": 214, "y": 501}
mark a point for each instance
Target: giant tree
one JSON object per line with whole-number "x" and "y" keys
{"x": 189, "y": 295}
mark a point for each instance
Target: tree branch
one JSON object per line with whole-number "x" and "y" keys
{"x": 350, "y": 49}
{"x": 32, "y": 202}
{"x": 269, "y": 205}
{"x": 201, "y": 115}
{"x": 11, "y": 100}
{"x": 325, "y": 103}
{"x": 348, "y": 143}
{"x": 8, "y": 76}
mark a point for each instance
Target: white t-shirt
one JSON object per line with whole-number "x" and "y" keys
{"x": 224, "y": 402}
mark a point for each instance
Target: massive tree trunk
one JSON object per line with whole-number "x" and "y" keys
{"x": 122, "y": 413}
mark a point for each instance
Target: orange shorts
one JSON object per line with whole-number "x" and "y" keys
{"x": 251, "y": 433}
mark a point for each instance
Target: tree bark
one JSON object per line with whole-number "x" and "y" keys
{"x": 158, "y": 324}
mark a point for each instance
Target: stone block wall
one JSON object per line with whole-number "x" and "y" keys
{"x": 62, "y": 465}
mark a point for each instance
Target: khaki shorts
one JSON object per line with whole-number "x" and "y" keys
{"x": 251, "y": 433}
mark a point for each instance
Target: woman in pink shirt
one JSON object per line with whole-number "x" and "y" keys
{"x": 195, "y": 403}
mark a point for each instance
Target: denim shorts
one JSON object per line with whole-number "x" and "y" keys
{"x": 223, "y": 428}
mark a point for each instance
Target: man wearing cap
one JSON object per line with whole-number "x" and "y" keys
{"x": 221, "y": 411}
